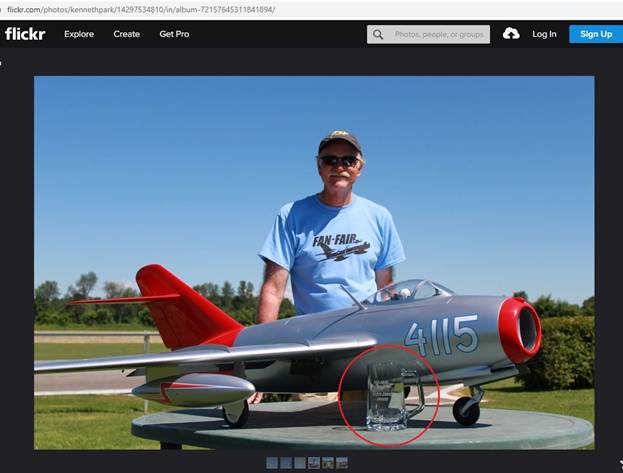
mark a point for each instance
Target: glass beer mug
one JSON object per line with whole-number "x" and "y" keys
{"x": 386, "y": 398}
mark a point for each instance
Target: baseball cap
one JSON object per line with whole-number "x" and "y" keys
{"x": 340, "y": 135}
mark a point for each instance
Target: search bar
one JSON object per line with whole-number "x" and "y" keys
{"x": 429, "y": 34}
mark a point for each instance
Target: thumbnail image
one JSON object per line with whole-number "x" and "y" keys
{"x": 328, "y": 463}
{"x": 341, "y": 463}
{"x": 272, "y": 463}
{"x": 165, "y": 192}
{"x": 300, "y": 463}
{"x": 285, "y": 463}
{"x": 313, "y": 463}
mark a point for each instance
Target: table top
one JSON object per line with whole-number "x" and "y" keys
{"x": 319, "y": 425}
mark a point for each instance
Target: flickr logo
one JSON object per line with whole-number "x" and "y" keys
{"x": 13, "y": 33}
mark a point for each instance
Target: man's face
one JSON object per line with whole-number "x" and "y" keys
{"x": 339, "y": 176}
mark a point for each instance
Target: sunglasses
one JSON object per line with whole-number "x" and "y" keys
{"x": 346, "y": 161}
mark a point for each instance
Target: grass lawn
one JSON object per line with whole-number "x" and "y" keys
{"x": 507, "y": 394}
{"x": 89, "y": 422}
{"x": 62, "y": 351}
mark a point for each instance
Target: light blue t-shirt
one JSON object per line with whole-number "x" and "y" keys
{"x": 324, "y": 247}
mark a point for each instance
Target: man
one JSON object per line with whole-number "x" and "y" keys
{"x": 329, "y": 239}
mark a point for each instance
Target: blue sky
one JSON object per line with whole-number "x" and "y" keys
{"x": 490, "y": 179}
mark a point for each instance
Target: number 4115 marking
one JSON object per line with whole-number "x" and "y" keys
{"x": 415, "y": 336}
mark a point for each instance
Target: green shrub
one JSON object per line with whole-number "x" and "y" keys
{"x": 567, "y": 355}
{"x": 52, "y": 317}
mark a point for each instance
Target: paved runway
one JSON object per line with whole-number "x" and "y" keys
{"x": 94, "y": 382}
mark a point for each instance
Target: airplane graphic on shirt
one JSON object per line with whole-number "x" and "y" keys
{"x": 341, "y": 255}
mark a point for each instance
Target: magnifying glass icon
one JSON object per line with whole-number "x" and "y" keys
{"x": 378, "y": 34}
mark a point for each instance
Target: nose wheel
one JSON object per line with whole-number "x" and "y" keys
{"x": 236, "y": 414}
{"x": 466, "y": 410}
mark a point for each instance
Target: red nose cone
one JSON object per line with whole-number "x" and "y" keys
{"x": 520, "y": 329}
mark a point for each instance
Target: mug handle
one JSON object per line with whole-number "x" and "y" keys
{"x": 419, "y": 407}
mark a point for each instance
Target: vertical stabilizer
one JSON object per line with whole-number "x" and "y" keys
{"x": 188, "y": 320}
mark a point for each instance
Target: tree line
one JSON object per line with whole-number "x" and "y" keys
{"x": 52, "y": 308}
{"x": 546, "y": 306}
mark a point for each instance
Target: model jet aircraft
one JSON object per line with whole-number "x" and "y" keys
{"x": 215, "y": 361}
{"x": 339, "y": 255}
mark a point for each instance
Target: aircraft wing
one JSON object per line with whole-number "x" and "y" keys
{"x": 212, "y": 354}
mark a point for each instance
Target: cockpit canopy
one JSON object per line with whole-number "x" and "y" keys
{"x": 407, "y": 291}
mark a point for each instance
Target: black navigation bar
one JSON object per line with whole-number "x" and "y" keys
{"x": 292, "y": 34}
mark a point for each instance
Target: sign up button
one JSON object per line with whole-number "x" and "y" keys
{"x": 596, "y": 34}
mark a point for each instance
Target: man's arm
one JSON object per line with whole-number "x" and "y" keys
{"x": 384, "y": 277}
{"x": 271, "y": 294}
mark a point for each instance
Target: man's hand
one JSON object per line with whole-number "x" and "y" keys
{"x": 256, "y": 398}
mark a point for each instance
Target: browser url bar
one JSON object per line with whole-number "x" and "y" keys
{"x": 429, "y": 34}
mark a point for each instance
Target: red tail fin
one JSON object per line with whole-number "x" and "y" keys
{"x": 189, "y": 320}
{"x": 183, "y": 316}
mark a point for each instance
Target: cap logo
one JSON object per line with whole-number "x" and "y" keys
{"x": 340, "y": 132}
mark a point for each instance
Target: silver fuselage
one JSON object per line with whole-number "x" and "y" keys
{"x": 457, "y": 335}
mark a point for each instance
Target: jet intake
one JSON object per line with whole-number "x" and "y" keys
{"x": 520, "y": 329}
{"x": 196, "y": 390}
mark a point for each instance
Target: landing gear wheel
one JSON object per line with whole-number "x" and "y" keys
{"x": 236, "y": 415}
{"x": 470, "y": 416}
